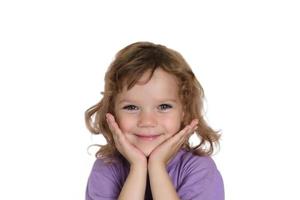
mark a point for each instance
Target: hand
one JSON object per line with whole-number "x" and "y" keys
{"x": 163, "y": 153}
{"x": 133, "y": 155}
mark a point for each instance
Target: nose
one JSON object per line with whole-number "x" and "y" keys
{"x": 147, "y": 119}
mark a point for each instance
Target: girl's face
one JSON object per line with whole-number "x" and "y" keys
{"x": 148, "y": 114}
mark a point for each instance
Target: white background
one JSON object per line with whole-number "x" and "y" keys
{"x": 53, "y": 56}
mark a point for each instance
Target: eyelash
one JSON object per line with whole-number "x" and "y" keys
{"x": 133, "y": 107}
{"x": 167, "y": 106}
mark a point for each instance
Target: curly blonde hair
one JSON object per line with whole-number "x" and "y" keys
{"x": 128, "y": 66}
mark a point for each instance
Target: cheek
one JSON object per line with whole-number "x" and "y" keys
{"x": 172, "y": 124}
{"x": 125, "y": 122}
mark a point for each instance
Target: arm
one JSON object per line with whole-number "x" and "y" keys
{"x": 135, "y": 184}
{"x": 161, "y": 184}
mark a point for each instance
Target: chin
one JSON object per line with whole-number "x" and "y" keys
{"x": 147, "y": 152}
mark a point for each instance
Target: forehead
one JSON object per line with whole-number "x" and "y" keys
{"x": 161, "y": 86}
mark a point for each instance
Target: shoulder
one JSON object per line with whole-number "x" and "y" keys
{"x": 194, "y": 161}
{"x": 198, "y": 176}
{"x": 103, "y": 172}
{"x": 203, "y": 167}
{"x": 105, "y": 179}
{"x": 190, "y": 161}
{"x": 116, "y": 169}
{"x": 101, "y": 164}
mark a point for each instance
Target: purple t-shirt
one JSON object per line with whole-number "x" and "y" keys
{"x": 194, "y": 178}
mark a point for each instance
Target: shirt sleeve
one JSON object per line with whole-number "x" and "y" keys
{"x": 102, "y": 182}
{"x": 202, "y": 181}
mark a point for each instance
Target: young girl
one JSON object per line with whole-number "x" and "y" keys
{"x": 151, "y": 105}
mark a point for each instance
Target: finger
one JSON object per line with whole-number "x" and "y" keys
{"x": 109, "y": 123}
{"x": 194, "y": 123}
{"x": 113, "y": 126}
{"x": 118, "y": 136}
{"x": 182, "y": 133}
{"x": 189, "y": 133}
{"x": 193, "y": 127}
{"x": 189, "y": 128}
{"x": 183, "y": 138}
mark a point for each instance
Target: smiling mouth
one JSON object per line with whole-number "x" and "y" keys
{"x": 147, "y": 137}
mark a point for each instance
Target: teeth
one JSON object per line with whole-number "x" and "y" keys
{"x": 148, "y": 137}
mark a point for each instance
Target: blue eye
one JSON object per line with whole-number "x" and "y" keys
{"x": 130, "y": 107}
{"x": 165, "y": 106}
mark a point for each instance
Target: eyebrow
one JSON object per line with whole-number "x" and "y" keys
{"x": 159, "y": 100}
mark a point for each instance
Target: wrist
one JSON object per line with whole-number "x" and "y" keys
{"x": 141, "y": 166}
{"x": 155, "y": 165}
